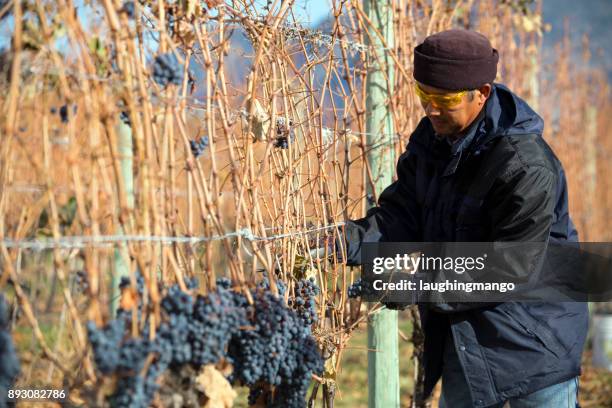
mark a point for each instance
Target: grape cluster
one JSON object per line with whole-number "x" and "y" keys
{"x": 363, "y": 288}
{"x": 105, "y": 344}
{"x": 168, "y": 70}
{"x": 64, "y": 112}
{"x": 264, "y": 285}
{"x": 284, "y": 133}
{"x": 303, "y": 359}
{"x": 191, "y": 283}
{"x": 304, "y": 300}
{"x": 220, "y": 315}
{"x": 81, "y": 280}
{"x": 134, "y": 392}
{"x": 140, "y": 283}
{"x": 258, "y": 353}
{"x": 267, "y": 342}
{"x": 279, "y": 352}
{"x": 198, "y": 147}
{"x": 225, "y": 283}
{"x": 177, "y": 302}
{"x": 9, "y": 363}
{"x": 360, "y": 288}
{"x": 126, "y": 283}
{"x": 115, "y": 353}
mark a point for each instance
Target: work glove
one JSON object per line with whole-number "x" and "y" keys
{"x": 329, "y": 245}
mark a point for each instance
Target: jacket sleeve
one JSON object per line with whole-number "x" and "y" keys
{"x": 395, "y": 219}
{"x": 522, "y": 206}
{"x": 521, "y": 210}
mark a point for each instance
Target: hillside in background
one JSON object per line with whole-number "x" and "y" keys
{"x": 591, "y": 17}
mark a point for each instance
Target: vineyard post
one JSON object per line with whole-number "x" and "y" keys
{"x": 121, "y": 267}
{"x": 383, "y": 360}
{"x": 533, "y": 68}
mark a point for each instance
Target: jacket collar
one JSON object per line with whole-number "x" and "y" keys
{"x": 460, "y": 148}
{"x": 504, "y": 114}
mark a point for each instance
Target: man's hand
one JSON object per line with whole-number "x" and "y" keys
{"x": 326, "y": 245}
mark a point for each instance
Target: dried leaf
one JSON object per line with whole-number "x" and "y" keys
{"x": 330, "y": 367}
{"x": 260, "y": 122}
{"x": 129, "y": 298}
{"x": 353, "y": 138}
{"x": 213, "y": 3}
{"x": 311, "y": 273}
{"x": 327, "y": 136}
{"x": 225, "y": 367}
{"x": 32, "y": 36}
{"x": 215, "y": 386}
{"x": 186, "y": 32}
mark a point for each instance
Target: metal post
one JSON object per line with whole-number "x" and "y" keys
{"x": 383, "y": 361}
{"x": 121, "y": 267}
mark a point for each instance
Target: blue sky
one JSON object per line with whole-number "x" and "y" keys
{"x": 313, "y": 10}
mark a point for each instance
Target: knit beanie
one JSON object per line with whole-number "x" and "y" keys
{"x": 455, "y": 60}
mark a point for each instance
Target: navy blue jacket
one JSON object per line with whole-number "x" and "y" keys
{"x": 500, "y": 182}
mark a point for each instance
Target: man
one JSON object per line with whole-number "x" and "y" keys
{"x": 477, "y": 169}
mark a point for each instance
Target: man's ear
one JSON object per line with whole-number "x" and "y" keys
{"x": 484, "y": 93}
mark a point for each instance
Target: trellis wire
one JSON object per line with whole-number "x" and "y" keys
{"x": 82, "y": 241}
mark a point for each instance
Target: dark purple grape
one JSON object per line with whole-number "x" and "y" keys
{"x": 63, "y": 112}
{"x": 281, "y": 142}
{"x": 125, "y": 118}
{"x": 105, "y": 344}
{"x": 359, "y": 288}
{"x": 284, "y": 133}
{"x": 167, "y": 70}
{"x": 81, "y": 280}
{"x": 304, "y": 300}
{"x": 198, "y": 147}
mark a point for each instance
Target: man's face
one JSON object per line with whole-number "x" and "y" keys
{"x": 452, "y": 120}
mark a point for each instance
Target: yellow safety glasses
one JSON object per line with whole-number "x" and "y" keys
{"x": 445, "y": 101}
